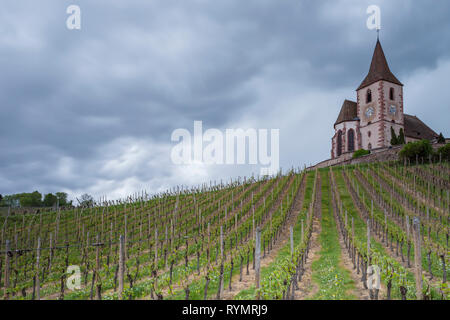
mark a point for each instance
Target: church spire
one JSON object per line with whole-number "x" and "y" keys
{"x": 379, "y": 69}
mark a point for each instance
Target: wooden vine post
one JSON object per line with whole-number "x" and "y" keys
{"x": 258, "y": 262}
{"x": 110, "y": 242}
{"x": 221, "y": 280}
{"x": 368, "y": 242}
{"x": 51, "y": 253}
{"x": 346, "y": 219}
{"x": 97, "y": 271}
{"x": 353, "y": 243}
{"x": 417, "y": 258}
{"x": 292, "y": 239}
{"x": 121, "y": 265}
{"x": 371, "y": 209}
{"x": 302, "y": 231}
{"x": 353, "y": 230}
{"x": 156, "y": 246}
{"x": 38, "y": 260}
{"x": 253, "y": 219}
{"x": 407, "y": 226}
{"x": 125, "y": 233}
{"x": 221, "y": 243}
{"x": 7, "y": 270}
{"x": 209, "y": 240}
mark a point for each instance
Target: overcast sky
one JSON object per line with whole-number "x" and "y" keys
{"x": 93, "y": 110}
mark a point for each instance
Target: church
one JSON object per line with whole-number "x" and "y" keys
{"x": 366, "y": 123}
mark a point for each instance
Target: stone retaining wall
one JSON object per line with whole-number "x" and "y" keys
{"x": 382, "y": 154}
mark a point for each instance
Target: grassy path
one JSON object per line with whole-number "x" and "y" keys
{"x": 331, "y": 277}
{"x": 307, "y": 287}
{"x": 347, "y": 262}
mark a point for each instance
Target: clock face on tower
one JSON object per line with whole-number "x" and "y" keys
{"x": 393, "y": 109}
{"x": 369, "y": 113}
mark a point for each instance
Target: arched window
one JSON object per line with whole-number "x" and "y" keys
{"x": 339, "y": 143}
{"x": 368, "y": 96}
{"x": 391, "y": 93}
{"x": 351, "y": 140}
{"x": 369, "y": 146}
{"x": 369, "y": 134}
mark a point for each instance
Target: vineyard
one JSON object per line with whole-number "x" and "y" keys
{"x": 306, "y": 234}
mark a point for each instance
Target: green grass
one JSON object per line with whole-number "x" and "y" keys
{"x": 334, "y": 281}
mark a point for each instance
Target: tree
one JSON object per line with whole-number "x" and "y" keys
{"x": 360, "y": 153}
{"x": 33, "y": 199}
{"x": 444, "y": 152}
{"x": 419, "y": 149}
{"x": 86, "y": 200}
{"x": 394, "y": 139}
{"x": 36, "y": 199}
{"x": 441, "y": 138}
{"x": 1, "y": 198}
{"x": 401, "y": 137}
{"x": 49, "y": 200}
{"x": 62, "y": 198}
{"x": 11, "y": 201}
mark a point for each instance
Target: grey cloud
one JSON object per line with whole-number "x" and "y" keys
{"x": 72, "y": 101}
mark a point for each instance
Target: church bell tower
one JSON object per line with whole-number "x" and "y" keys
{"x": 379, "y": 103}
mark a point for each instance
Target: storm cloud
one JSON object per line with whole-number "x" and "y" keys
{"x": 92, "y": 110}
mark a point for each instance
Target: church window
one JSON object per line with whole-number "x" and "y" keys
{"x": 391, "y": 93}
{"x": 369, "y": 134}
{"x": 339, "y": 143}
{"x": 351, "y": 140}
{"x": 369, "y": 96}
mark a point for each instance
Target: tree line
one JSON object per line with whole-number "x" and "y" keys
{"x": 35, "y": 199}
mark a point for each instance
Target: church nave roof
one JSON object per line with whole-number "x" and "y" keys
{"x": 348, "y": 112}
{"x": 415, "y": 128}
